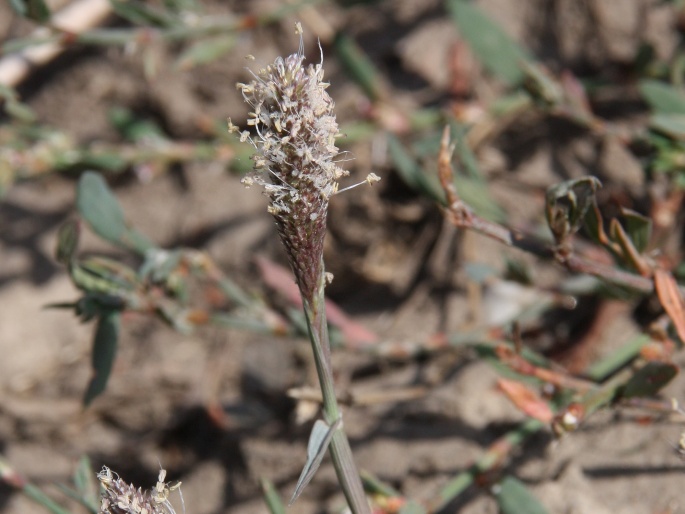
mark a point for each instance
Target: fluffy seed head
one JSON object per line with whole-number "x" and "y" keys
{"x": 292, "y": 116}
{"x": 118, "y": 497}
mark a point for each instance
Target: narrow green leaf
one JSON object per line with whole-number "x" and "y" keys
{"x": 358, "y": 65}
{"x": 649, "y": 379}
{"x": 20, "y": 111}
{"x": 36, "y": 10}
{"x": 203, "y": 52}
{"x": 140, "y": 13}
{"x": 104, "y": 352}
{"x": 43, "y": 499}
{"x": 626, "y": 352}
{"x": 673, "y": 125}
{"x": 639, "y": 228}
{"x": 182, "y": 5}
{"x": 86, "y": 486}
{"x": 412, "y": 507}
{"x": 100, "y": 208}
{"x": 663, "y": 98}
{"x": 411, "y": 172}
{"x": 476, "y": 194}
{"x": 85, "y": 159}
{"x": 67, "y": 242}
{"x": 498, "y": 52}
{"x": 486, "y": 462}
{"x": 463, "y": 151}
{"x": 374, "y": 486}
{"x": 104, "y": 277}
{"x": 513, "y": 497}
{"x": 626, "y": 251}
{"x": 319, "y": 440}
{"x": 14, "y": 107}
{"x": 19, "y": 7}
{"x": 272, "y": 498}
{"x": 134, "y": 128}
{"x": 542, "y": 86}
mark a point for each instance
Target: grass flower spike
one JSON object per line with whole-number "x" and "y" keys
{"x": 296, "y": 156}
{"x": 296, "y": 163}
{"x": 118, "y": 497}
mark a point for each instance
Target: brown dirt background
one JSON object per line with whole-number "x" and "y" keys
{"x": 387, "y": 276}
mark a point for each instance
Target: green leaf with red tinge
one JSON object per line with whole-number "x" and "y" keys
{"x": 526, "y": 399}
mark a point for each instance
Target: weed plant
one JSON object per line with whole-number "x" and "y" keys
{"x": 294, "y": 137}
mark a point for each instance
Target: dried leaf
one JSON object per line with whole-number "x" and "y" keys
{"x": 671, "y": 300}
{"x": 281, "y": 280}
{"x": 526, "y": 400}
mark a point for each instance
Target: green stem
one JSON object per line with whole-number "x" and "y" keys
{"x": 341, "y": 453}
{"x": 492, "y": 458}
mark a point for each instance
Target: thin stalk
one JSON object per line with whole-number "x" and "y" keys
{"x": 341, "y": 453}
{"x": 10, "y": 476}
{"x": 461, "y": 215}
